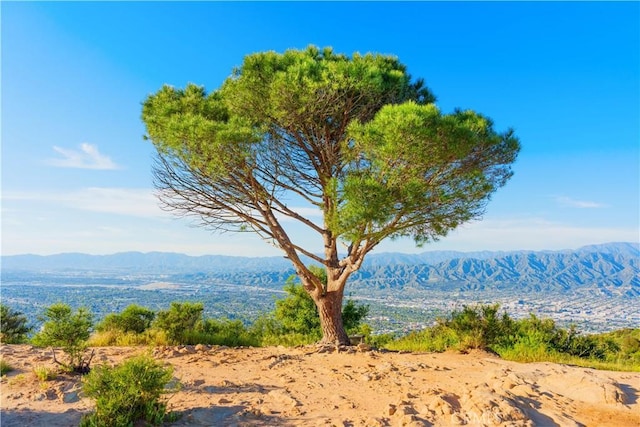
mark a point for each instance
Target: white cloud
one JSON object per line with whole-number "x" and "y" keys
{"x": 88, "y": 157}
{"x": 139, "y": 202}
{"x": 580, "y": 204}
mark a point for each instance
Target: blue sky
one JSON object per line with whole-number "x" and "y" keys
{"x": 76, "y": 173}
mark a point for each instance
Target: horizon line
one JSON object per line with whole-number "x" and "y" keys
{"x": 637, "y": 244}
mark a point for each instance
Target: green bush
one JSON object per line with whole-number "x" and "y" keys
{"x": 438, "y": 338}
{"x": 379, "y": 340}
{"x": 13, "y": 326}
{"x": 44, "y": 373}
{"x": 621, "y": 347}
{"x": 127, "y": 394}
{"x": 297, "y": 313}
{"x": 480, "y": 327}
{"x": 527, "y": 340}
{"x": 5, "y": 367}
{"x": 179, "y": 320}
{"x": 227, "y": 332}
{"x": 68, "y": 330}
{"x": 134, "y": 319}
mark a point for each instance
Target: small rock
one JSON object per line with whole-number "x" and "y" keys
{"x": 202, "y": 348}
{"x": 363, "y": 347}
{"x": 187, "y": 349}
{"x": 71, "y": 397}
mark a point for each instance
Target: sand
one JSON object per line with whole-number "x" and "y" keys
{"x": 324, "y": 385}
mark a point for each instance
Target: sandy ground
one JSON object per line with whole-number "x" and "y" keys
{"x": 317, "y": 386}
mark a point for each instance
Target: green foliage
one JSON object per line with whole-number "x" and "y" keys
{"x": 5, "y": 367}
{"x": 134, "y": 319}
{"x": 227, "y": 332}
{"x": 527, "y": 340}
{"x": 13, "y": 326}
{"x": 297, "y": 313}
{"x": 68, "y": 330}
{"x": 412, "y": 178}
{"x": 621, "y": 347}
{"x": 379, "y": 340}
{"x": 178, "y": 320}
{"x": 479, "y": 327}
{"x": 127, "y": 394}
{"x": 352, "y": 316}
{"x": 181, "y": 324}
{"x": 44, "y": 373}
{"x": 438, "y": 338}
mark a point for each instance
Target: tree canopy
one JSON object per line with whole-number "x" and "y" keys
{"x": 355, "y": 137}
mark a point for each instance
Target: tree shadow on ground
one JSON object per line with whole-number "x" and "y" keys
{"x": 630, "y": 394}
{"x": 227, "y": 416}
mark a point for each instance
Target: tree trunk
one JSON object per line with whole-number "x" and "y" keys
{"x": 330, "y": 311}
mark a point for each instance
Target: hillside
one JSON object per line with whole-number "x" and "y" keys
{"x": 312, "y": 386}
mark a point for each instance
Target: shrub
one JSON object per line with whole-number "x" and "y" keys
{"x": 13, "y": 326}
{"x": 179, "y": 319}
{"x": 5, "y": 367}
{"x": 134, "y": 319}
{"x": 221, "y": 332}
{"x": 438, "y": 338}
{"x": 479, "y": 327}
{"x": 527, "y": 340}
{"x": 45, "y": 374}
{"x": 68, "y": 330}
{"x": 379, "y": 340}
{"x": 127, "y": 394}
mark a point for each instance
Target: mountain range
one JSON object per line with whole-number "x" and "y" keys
{"x": 612, "y": 268}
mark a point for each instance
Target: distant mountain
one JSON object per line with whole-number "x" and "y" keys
{"x": 151, "y": 262}
{"x": 612, "y": 268}
{"x": 609, "y": 269}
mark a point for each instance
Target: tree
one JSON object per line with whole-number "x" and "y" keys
{"x": 13, "y": 326}
{"x": 68, "y": 330}
{"x": 180, "y": 319}
{"x": 354, "y": 137}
